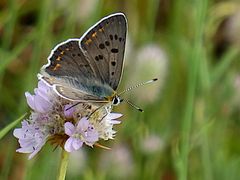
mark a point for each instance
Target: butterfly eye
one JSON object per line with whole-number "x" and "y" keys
{"x": 116, "y": 100}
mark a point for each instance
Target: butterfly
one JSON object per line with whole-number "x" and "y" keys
{"x": 89, "y": 69}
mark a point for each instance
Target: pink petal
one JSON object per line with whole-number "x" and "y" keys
{"x": 42, "y": 92}
{"x": 18, "y": 133}
{"x": 83, "y": 124}
{"x": 42, "y": 84}
{"x": 30, "y": 100}
{"x": 69, "y": 128}
{"x": 24, "y": 124}
{"x": 27, "y": 142}
{"x": 77, "y": 143}
{"x": 41, "y": 104}
{"x": 91, "y": 137}
{"x": 68, "y": 145}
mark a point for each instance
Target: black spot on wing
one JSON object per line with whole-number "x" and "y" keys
{"x": 101, "y": 46}
{"x": 114, "y": 50}
{"x": 111, "y": 36}
{"x": 107, "y": 43}
{"x": 100, "y": 56}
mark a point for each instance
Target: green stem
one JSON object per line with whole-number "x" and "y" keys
{"x": 63, "y": 165}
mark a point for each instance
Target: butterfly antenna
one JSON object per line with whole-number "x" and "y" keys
{"x": 136, "y": 86}
{"x": 133, "y": 105}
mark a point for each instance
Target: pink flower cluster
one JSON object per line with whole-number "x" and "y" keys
{"x": 52, "y": 115}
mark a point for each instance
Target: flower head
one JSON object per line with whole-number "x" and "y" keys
{"x": 62, "y": 122}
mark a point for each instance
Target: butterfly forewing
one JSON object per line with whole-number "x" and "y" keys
{"x": 67, "y": 60}
{"x": 104, "y": 45}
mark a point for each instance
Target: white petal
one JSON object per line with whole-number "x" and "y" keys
{"x": 115, "y": 122}
{"x": 114, "y": 115}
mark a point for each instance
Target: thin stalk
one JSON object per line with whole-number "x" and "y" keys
{"x": 63, "y": 165}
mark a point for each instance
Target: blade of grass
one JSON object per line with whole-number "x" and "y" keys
{"x": 9, "y": 26}
{"x": 193, "y": 66}
{"x": 224, "y": 64}
{"x": 8, "y": 160}
{"x": 151, "y": 18}
{"x": 5, "y": 130}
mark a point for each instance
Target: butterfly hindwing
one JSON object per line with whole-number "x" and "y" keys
{"x": 91, "y": 91}
{"x": 73, "y": 94}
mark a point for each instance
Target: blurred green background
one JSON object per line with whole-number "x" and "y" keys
{"x": 190, "y": 128}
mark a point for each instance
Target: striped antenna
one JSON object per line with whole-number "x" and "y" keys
{"x": 133, "y": 105}
{"x": 136, "y": 86}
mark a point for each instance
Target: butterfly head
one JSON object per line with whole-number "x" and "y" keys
{"x": 116, "y": 100}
